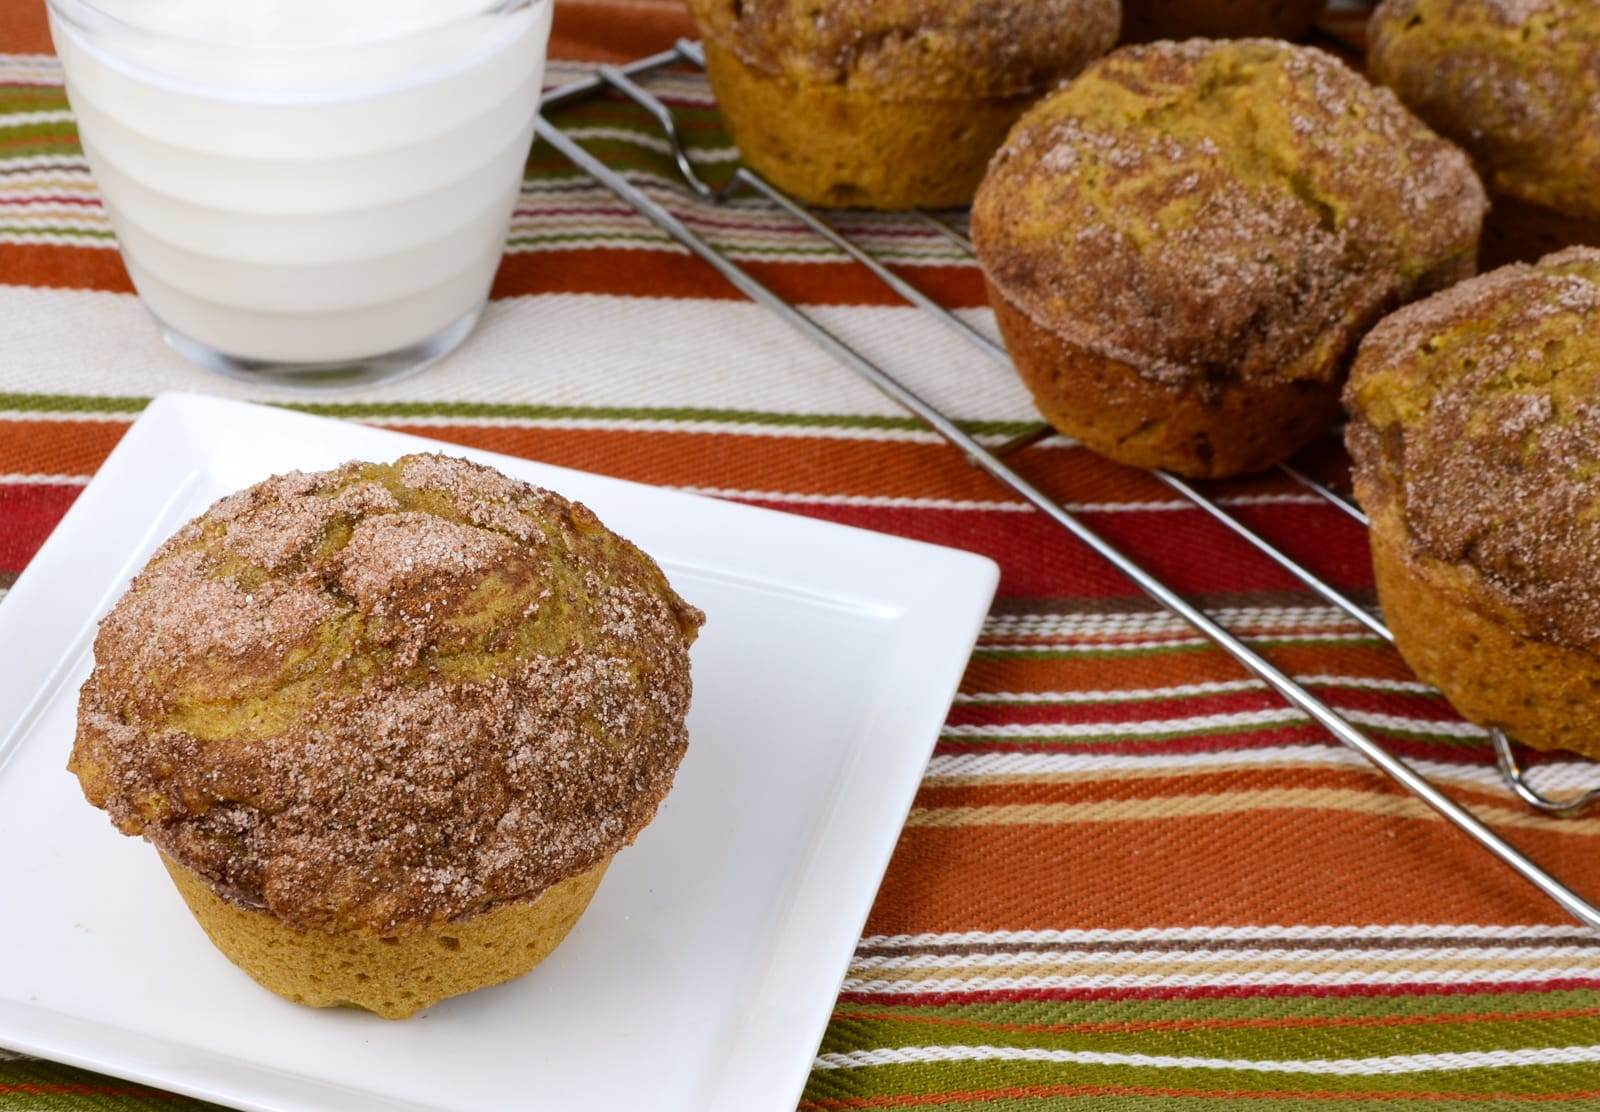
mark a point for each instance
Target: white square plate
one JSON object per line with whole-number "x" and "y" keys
{"x": 703, "y": 973}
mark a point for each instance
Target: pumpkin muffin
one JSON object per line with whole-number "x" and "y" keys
{"x": 1475, "y": 433}
{"x": 1184, "y": 245}
{"x": 1145, "y": 20}
{"x": 1517, "y": 85}
{"x": 888, "y": 104}
{"x": 388, "y": 724}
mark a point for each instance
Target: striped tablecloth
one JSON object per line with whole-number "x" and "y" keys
{"x": 1132, "y": 873}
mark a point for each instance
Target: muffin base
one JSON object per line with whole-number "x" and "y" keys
{"x": 1522, "y": 232}
{"x": 1205, "y": 431}
{"x": 831, "y": 146}
{"x": 397, "y": 976}
{"x": 1146, "y": 20}
{"x": 1541, "y": 694}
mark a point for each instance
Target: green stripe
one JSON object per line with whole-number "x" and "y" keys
{"x": 938, "y": 1077}
{"x": 69, "y": 403}
{"x": 34, "y": 1086}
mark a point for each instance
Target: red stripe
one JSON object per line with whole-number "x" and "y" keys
{"x": 1184, "y": 548}
{"x": 1215, "y": 992}
{"x": 28, "y": 512}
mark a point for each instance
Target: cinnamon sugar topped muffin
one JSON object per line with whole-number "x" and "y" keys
{"x": 371, "y": 704}
{"x": 1475, "y": 434}
{"x": 888, "y": 103}
{"x": 1517, "y": 83}
{"x": 1184, "y": 244}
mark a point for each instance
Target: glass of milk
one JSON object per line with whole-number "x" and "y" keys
{"x": 313, "y": 191}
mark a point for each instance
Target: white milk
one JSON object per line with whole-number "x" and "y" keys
{"x": 307, "y": 181}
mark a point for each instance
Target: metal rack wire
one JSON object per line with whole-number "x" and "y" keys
{"x": 993, "y": 460}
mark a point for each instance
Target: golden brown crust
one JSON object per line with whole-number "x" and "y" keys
{"x": 835, "y": 146}
{"x": 1146, "y": 20}
{"x": 914, "y": 49}
{"x": 1202, "y": 429}
{"x": 388, "y": 694}
{"x": 1475, "y": 420}
{"x": 1516, "y": 82}
{"x": 396, "y": 975}
{"x": 1543, "y": 694}
{"x": 1222, "y": 212}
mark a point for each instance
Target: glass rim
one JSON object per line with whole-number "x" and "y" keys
{"x": 73, "y": 11}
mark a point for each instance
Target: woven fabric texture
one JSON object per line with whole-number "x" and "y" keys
{"x": 1133, "y": 876}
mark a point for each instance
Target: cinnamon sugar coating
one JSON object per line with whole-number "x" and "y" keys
{"x": 388, "y": 694}
{"x": 1211, "y": 212}
{"x": 914, "y": 49}
{"x": 1515, "y": 82}
{"x": 1476, "y": 420}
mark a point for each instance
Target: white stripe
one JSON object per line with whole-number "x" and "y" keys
{"x": 567, "y": 349}
{"x": 1234, "y": 933}
{"x": 1559, "y": 776}
{"x": 1265, "y": 717}
{"x": 1184, "y": 690}
{"x": 896, "y": 502}
{"x": 650, "y": 142}
{"x": 50, "y": 480}
{"x": 1349, "y": 1067}
{"x": 1253, "y": 979}
{"x": 1575, "y": 953}
{"x": 1264, "y": 637}
{"x": 1150, "y": 620}
{"x": 26, "y": 119}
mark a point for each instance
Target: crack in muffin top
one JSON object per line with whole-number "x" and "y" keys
{"x": 1476, "y": 419}
{"x": 915, "y": 49}
{"x": 1515, "y": 82}
{"x": 388, "y": 694}
{"x": 1210, "y": 210}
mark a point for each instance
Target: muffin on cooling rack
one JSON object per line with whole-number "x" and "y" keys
{"x": 1475, "y": 431}
{"x": 1144, "y": 20}
{"x": 1517, "y": 85}
{"x": 1184, "y": 245}
{"x": 893, "y": 104}
{"x": 388, "y": 724}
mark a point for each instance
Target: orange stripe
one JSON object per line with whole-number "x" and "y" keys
{"x": 57, "y": 447}
{"x": 1258, "y": 866}
{"x": 1023, "y": 673}
{"x": 77, "y": 268}
{"x": 634, "y": 273}
{"x": 613, "y": 32}
{"x": 1042, "y": 1092}
{"x": 1110, "y": 787}
{"x": 1133, "y": 1027}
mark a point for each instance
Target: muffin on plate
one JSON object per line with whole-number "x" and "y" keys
{"x": 888, "y": 104}
{"x": 1475, "y": 433}
{"x": 1184, "y": 245}
{"x": 388, "y": 724}
{"x": 1144, "y": 20}
{"x": 1517, "y": 85}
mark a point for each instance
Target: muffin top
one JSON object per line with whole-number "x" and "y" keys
{"x": 1213, "y": 210}
{"x": 388, "y": 694}
{"x": 1516, "y": 82}
{"x": 915, "y": 49}
{"x": 1476, "y": 420}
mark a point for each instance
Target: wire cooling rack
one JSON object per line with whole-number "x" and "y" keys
{"x": 622, "y": 79}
